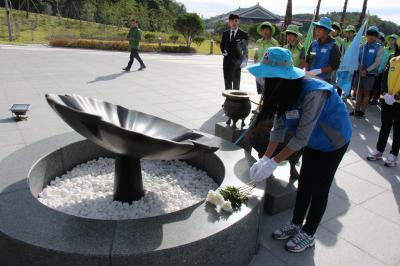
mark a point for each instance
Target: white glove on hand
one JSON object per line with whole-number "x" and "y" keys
{"x": 389, "y": 99}
{"x": 314, "y": 72}
{"x": 225, "y": 53}
{"x": 266, "y": 170}
{"x": 256, "y": 166}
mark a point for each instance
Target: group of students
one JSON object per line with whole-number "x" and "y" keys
{"x": 300, "y": 94}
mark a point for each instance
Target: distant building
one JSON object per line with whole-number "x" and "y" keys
{"x": 254, "y": 14}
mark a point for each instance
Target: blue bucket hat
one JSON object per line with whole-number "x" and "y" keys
{"x": 325, "y": 23}
{"x": 276, "y": 63}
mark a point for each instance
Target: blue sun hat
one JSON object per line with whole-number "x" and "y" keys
{"x": 325, "y": 23}
{"x": 276, "y": 63}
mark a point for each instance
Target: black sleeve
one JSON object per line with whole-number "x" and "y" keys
{"x": 223, "y": 42}
{"x": 384, "y": 82}
{"x": 335, "y": 57}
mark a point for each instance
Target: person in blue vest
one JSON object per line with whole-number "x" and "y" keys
{"x": 312, "y": 111}
{"x": 370, "y": 60}
{"x": 324, "y": 54}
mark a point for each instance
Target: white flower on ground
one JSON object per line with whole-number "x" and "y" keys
{"x": 227, "y": 206}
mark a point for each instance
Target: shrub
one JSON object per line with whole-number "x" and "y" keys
{"x": 199, "y": 40}
{"x": 150, "y": 37}
{"x": 174, "y": 38}
{"x": 118, "y": 46}
{"x": 177, "y": 49}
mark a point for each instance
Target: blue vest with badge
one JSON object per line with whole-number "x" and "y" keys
{"x": 322, "y": 56}
{"x": 333, "y": 129}
{"x": 370, "y": 54}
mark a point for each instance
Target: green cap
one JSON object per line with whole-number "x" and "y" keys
{"x": 294, "y": 29}
{"x": 266, "y": 24}
{"x": 350, "y": 28}
{"x": 337, "y": 25}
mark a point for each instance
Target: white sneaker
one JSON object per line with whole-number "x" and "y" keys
{"x": 391, "y": 161}
{"x": 300, "y": 242}
{"x": 375, "y": 156}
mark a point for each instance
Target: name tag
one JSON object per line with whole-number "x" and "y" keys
{"x": 324, "y": 50}
{"x": 293, "y": 114}
{"x": 371, "y": 51}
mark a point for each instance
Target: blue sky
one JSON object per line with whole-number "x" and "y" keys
{"x": 386, "y": 9}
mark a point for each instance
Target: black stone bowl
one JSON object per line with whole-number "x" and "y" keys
{"x": 33, "y": 234}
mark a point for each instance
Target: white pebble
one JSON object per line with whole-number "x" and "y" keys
{"x": 87, "y": 190}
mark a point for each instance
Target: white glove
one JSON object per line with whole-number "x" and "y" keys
{"x": 225, "y": 53}
{"x": 314, "y": 72}
{"x": 389, "y": 99}
{"x": 265, "y": 171}
{"x": 256, "y": 166}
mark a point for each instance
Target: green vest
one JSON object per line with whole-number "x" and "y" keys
{"x": 262, "y": 45}
{"x": 339, "y": 41}
{"x": 347, "y": 44}
{"x": 296, "y": 53}
{"x": 134, "y": 36}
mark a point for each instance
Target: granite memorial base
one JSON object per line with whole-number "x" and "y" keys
{"x": 33, "y": 234}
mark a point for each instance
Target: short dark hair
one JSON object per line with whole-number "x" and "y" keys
{"x": 233, "y": 16}
{"x": 134, "y": 20}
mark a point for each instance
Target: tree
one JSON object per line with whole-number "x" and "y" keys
{"x": 289, "y": 15}
{"x": 344, "y": 12}
{"x": 189, "y": 25}
{"x": 316, "y": 17}
{"x": 362, "y": 15}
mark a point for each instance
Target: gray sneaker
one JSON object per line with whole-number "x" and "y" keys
{"x": 286, "y": 231}
{"x": 375, "y": 156}
{"x": 300, "y": 242}
{"x": 391, "y": 161}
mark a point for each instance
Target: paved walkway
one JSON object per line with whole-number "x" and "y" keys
{"x": 362, "y": 223}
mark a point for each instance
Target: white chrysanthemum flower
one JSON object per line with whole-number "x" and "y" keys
{"x": 227, "y": 206}
{"x": 215, "y": 198}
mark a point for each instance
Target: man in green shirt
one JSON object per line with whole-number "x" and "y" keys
{"x": 134, "y": 36}
{"x": 266, "y": 30}
{"x": 293, "y": 45}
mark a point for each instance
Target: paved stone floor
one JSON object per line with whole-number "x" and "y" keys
{"x": 362, "y": 223}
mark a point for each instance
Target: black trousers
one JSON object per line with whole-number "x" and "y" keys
{"x": 316, "y": 175}
{"x": 390, "y": 117}
{"x": 134, "y": 54}
{"x": 232, "y": 73}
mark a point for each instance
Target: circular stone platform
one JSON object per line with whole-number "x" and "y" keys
{"x": 33, "y": 234}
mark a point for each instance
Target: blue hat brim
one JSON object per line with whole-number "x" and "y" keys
{"x": 261, "y": 70}
{"x": 323, "y": 26}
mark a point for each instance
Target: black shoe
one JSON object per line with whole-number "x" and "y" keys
{"x": 126, "y": 69}
{"x": 352, "y": 113}
{"x": 360, "y": 114}
{"x": 142, "y": 67}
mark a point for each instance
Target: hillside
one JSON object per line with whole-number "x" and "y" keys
{"x": 39, "y": 28}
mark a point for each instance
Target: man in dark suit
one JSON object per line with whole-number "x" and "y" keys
{"x": 234, "y": 49}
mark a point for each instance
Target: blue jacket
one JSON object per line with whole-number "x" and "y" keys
{"x": 322, "y": 56}
{"x": 370, "y": 53}
{"x": 333, "y": 129}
